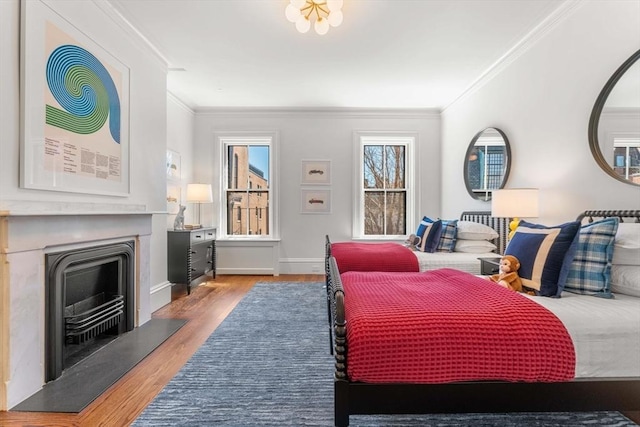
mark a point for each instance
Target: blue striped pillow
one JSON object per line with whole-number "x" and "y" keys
{"x": 448, "y": 235}
{"x": 590, "y": 270}
{"x": 429, "y": 234}
{"x": 542, "y": 252}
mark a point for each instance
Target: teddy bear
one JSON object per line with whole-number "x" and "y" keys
{"x": 508, "y": 276}
{"x": 412, "y": 241}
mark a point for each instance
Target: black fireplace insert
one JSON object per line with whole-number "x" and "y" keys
{"x": 90, "y": 295}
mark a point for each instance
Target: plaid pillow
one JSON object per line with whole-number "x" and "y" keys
{"x": 448, "y": 235}
{"x": 590, "y": 271}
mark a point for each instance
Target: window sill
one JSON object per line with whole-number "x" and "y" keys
{"x": 398, "y": 239}
{"x": 247, "y": 239}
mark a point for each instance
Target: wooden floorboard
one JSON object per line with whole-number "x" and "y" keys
{"x": 205, "y": 308}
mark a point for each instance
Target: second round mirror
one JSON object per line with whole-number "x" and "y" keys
{"x": 487, "y": 163}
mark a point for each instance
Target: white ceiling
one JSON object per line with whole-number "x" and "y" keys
{"x": 386, "y": 53}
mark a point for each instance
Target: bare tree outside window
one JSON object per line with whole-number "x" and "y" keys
{"x": 384, "y": 185}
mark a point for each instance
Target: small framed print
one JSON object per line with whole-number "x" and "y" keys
{"x": 173, "y": 165}
{"x": 315, "y": 201}
{"x": 316, "y": 172}
{"x": 173, "y": 199}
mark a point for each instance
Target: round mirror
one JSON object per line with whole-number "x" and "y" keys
{"x": 614, "y": 126}
{"x": 487, "y": 163}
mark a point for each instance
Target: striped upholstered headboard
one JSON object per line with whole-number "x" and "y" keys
{"x": 501, "y": 225}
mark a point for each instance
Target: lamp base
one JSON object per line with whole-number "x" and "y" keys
{"x": 512, "y": 227}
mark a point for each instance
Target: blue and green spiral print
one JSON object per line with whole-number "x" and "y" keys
{"x": 84, "y": 89}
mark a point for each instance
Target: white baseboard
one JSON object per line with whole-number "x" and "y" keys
{"x": 247, "y": 271}
{"x": 160, "y": 295}
{"x": 302, "y": 265}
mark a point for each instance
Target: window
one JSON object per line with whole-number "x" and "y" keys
{"x": 247, "y": 191}
{"x": 626, "y": 158}
{"x": 488, "y": 164}
{"x": 384, "y": 186}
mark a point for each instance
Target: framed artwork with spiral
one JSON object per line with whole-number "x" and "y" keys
{"x": 75, "y": 108}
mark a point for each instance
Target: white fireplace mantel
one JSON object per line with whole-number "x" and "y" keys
{"x": 27, "y": 232}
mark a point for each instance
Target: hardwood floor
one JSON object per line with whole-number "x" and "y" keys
{"x": 205, "y": 308}
{"x": 120, "y": 405}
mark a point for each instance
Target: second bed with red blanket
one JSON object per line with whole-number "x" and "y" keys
{"x": 446, "y": 326}
{"x": 356, "y": 256}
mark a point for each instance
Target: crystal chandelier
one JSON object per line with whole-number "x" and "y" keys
{"x": 325, "y": 13}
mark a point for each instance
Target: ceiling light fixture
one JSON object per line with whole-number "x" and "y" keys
{"x": 325, "y": 13}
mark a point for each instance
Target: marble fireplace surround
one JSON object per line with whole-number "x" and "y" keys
{"x": 25, "y": 238}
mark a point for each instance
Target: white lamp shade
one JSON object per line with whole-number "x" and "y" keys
{"x": 292, "y": 13}
{"x": 335, "y": 18}
{"x": 321, "y": 26}
{"x": 303, "y": 24}
{"x": 515, "y": 203}
{"x": 334, "y": 5}
{"x": 199, "y": 193}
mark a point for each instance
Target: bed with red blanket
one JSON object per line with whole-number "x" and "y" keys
{"x": 390, "y": 256}
{"x": 441, "y": 326}
{"x": 356, "y": 256}
{"x": 446, "y": 341}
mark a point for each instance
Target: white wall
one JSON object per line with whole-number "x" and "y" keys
{"x": 542, "y": 101}
{"x": 180, "y": 128}
{"x": 318, "y": 134}
{"x": 148, "y": 127}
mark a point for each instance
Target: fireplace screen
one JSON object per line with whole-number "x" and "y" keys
{"x": 90, "y": 301}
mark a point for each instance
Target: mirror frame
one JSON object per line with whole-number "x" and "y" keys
{"x": 594, "y": 120}
{"x": 472, "y": 144}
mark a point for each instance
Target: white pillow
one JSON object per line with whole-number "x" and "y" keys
{"x": 626, "y": 245}
{"x": 469, "y": 230}
{"x": 474, "y": 246}
{"x": 625, "y": 279}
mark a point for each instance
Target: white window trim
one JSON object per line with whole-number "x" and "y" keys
{"x": 361, "y": 138}
{"x": 270, "y": 138}
{"x": 626, "y": 141}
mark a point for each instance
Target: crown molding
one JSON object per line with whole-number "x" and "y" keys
{"x": 561, "y": 13}
{"x": 107, "y": 6}
{"x": 621, "y": 112}
{"x": 314, "y": 112}
{"x": 173, "y": 98}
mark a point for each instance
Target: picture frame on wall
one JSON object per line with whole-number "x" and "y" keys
{"x": 315, "y": 201}
{"x": 173, "y": 199}
{"x": 174, "y": 167}
{"x": 316, "y": 172}
{"x": 71, "y": 143}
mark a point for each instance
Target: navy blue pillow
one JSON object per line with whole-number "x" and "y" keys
{"x": 429, "y": 234}
{"x": 542, "y": 252}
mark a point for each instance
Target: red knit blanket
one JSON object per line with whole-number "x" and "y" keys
{"x": 447, "y": 325}
{"x": 352, "y": 256}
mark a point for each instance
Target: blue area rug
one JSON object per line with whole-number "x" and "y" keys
{"x": 268, "y": 364}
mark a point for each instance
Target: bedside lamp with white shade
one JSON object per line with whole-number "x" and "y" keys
{"x": 515, "y": 203}
{"x": 199, "y": 193}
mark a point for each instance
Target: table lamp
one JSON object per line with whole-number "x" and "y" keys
{"x": 199, "y": 193}
{"x": 514, "y": 203}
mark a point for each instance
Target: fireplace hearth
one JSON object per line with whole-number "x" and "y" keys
{"x": 89, "y": 301}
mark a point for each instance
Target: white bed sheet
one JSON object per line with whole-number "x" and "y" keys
{"x": 458, "y": 260}
{"x": 605, "y": 332}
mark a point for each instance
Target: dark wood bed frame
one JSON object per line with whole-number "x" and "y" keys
{"x": 351, "y": 398}
{"x": 501, "y": 225}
